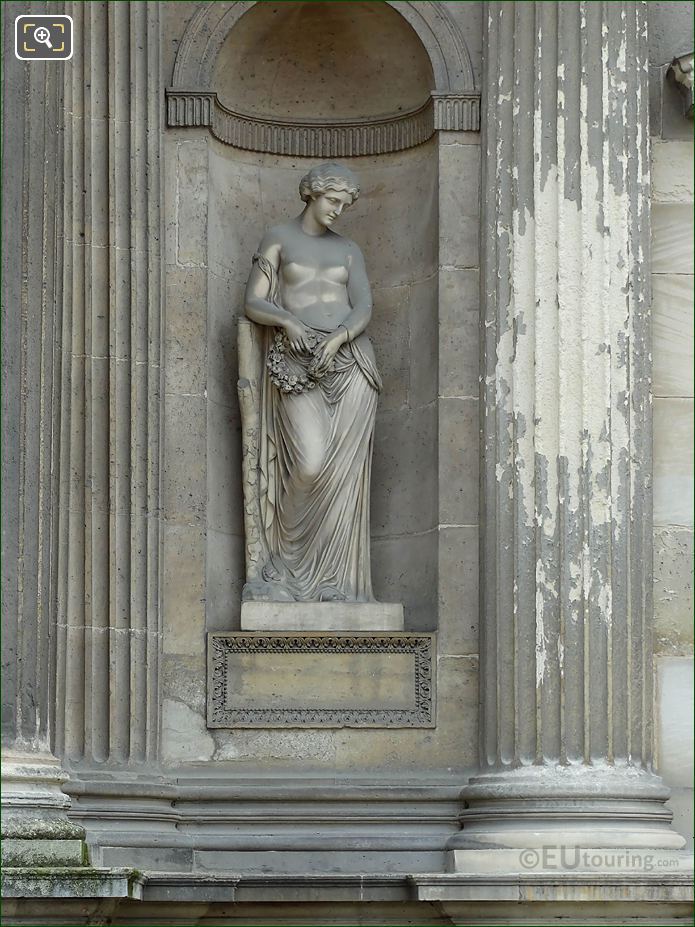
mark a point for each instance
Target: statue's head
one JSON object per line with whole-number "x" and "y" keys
{"x": 329, "y": 176}
{"x": 327, "y": 190}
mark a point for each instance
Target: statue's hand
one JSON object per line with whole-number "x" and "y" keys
{"x": 326, "y": 350}
{"x": 298, "y": 335}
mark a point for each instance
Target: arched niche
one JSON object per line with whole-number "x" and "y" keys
{"x": 419, "y": 236}
{"x": 395, "y": 223}
{"x": 323, "y": 63}
{"x": 200, "y": 95}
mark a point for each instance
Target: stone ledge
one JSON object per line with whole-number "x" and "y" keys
{"x": 39, "y": 829}
{"x": 626, "y": 888}
{"x": 601, "y": 886}
{"x": 36, "y": 851}
{"x": 66, "y": 882}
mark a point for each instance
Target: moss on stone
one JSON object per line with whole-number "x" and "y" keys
{"x": 41, "y": 830}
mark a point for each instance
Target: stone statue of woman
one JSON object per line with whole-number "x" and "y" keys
{"x": 309, "y": 294}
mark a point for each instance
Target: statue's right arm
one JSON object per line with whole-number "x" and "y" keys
{"x": 257, "y": 305}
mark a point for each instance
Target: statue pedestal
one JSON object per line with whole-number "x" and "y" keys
{"x": 321, "y": 616}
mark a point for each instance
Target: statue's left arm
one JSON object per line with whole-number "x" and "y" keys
{"x": 359, "y": 294}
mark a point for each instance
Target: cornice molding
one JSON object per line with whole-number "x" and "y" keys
{"x": 316, "y": 139}
{"x": 456, "y": 112}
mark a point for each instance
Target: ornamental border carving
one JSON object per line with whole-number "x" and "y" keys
{"x": 421, "y": 646}
{"x": 449, "y": 112}
{"x": 300, "y": 139}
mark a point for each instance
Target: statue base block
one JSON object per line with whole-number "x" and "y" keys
{"x": 321, "y": 616}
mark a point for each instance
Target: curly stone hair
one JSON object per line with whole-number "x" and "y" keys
{"x": 329, "y": 176}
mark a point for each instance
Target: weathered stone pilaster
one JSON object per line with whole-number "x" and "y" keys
{"x": 566, "y": 666}
{"x": 34, "y": 824}
{"x": 107, "y": 564}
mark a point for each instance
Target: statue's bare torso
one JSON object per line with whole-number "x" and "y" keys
{"x": 313, "y": 272}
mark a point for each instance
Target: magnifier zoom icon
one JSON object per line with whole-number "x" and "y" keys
{"x": 41, "y": 34}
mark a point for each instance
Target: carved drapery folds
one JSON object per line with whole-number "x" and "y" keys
{"x": 107, "y": 562}
{"x": 683, "y": 71}
{"x": 566, "y": 671}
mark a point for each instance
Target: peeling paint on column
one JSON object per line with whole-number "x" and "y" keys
{"x": 565, "y": 383}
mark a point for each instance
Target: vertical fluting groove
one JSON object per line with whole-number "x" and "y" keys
{"x": 75, "y": 607}
{"x": 139, "y": 436}
{"x": 13, "y": 86}
{"x": 570, "y": 294}
{"x": 62, "y": 511}
{"x": 618, "y": 539}
{"x": 151, "y": 564}
{"x": 640, "y": 291}
{"x": 631, "y": 466}
{"x": 90, "y": 484}
{"x": 642, "y": 288}
{"x": 32, "y": 330}
{"x": 517, "y": 517}
{"x": 59, "y": 253}
{"x": 523, "y": 273}
{"x": 108, "y": 530}
{"x": 506, "y": 620}
{"x": 492, "y": 327}
{"x": 50, "y": 199}
{"x": 622, "y": 553}
{"x": 576, "y": 671}
{"x": 488, "y": 733}
{"x": 596, "y": 300}
{"x": 566, "y": 479}
{"x": 617, "y": 323}
{"x": 32, "y": 199}
{"x": 24, "y": 687}
{"x": 634, "y": 551}
{"x": 545, "y": 335}
{"x": 99, "y": 398}
{"x": 120, "y": 353}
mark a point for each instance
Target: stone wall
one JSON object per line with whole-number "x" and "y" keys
{"x": 106, "y": 638}
{"x": 671, "y": 27}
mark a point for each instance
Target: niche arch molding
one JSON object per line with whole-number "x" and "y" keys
{"x": 454, "y": 103}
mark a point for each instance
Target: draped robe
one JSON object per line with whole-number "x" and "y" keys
{"x": 315, "y": 466}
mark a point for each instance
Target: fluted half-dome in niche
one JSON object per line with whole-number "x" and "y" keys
{"x": 323, "y": 62}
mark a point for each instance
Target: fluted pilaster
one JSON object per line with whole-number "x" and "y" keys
{"x": 33, "y": 803}
{"x": 566, "y": 692}
{"x": 108, "y": 569}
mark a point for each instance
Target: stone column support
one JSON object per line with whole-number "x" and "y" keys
{"x": 33, "y": 804}
{"x": 566, "y": 650}
{"x": 107, "y": 564}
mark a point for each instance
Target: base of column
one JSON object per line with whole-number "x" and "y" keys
{"x": 566, "y": 806}
{"x": 566, "y": 859}
{"x": 35, "y": 828}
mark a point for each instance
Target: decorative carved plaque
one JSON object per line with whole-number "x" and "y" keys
{"x": 320, "y": 680}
